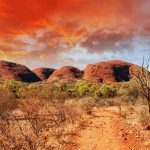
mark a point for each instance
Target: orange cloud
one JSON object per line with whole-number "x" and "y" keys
{"x": 43, "y": 29}
{"x": 19, "y": 16}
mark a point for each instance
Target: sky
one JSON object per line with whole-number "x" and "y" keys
{"x": 55, "y": 33}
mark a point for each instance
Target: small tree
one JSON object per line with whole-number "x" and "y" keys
{"x": 142, "y": 76}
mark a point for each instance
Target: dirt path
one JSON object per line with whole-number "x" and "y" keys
{"x": 107, "y": 131}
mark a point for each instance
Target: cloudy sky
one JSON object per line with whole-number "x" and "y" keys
{"x": 54, "y": 33}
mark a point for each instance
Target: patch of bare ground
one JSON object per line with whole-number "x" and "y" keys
{"x": 108, "y": 130}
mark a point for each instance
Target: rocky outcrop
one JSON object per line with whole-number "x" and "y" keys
{"x": 67, "y": 72}
{"x": 109, "y": 71}
{"x": 43, "y": 73}
{"x": 13, "y": 71}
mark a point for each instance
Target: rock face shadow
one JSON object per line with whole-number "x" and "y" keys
{"x": 121, "y": 73}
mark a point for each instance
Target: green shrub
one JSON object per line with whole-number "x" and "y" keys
{"x": 13, "y": 86}
{"x": 108, "y": 91}
{"x": 130, "y": 90}
{"x": 84, "y": 88}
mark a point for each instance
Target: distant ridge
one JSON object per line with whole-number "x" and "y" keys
{"x": 102, "y": 72}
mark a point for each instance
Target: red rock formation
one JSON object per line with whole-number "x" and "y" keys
{"x": 13, "y": 71}
{"x": 43, "y": 73}
{"x": 109, "y": 71}
{"x": 68, "y": 72}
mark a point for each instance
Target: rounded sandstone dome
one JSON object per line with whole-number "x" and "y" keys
{"x": 109, "y": 71}
{"x": 43, "y": 73}
{"x": 17, "y": 72}
{"x": 68, "y": 72}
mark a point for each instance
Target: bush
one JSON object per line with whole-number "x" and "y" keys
{"x": 108, "y": 91}
{"x": 84, "y": 88}
{"x": 130, "y": 90}
{"x": 39, "y": 126}
{"x": 37, "y": 92}
{"x": 13, "y": 86}
{"x": 8, "y": 100}
{"x": 88, "y": 104}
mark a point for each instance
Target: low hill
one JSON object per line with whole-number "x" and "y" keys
{"x": 13, "y": 71}
{"x": 43, "y": 73}
{"x": 68, "y": 72}
{"x": 109, "y": 71}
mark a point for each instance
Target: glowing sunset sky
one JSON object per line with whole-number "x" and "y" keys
{"x": 54, "y": 33}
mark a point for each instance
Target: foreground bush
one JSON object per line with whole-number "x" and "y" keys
{"x": 8, "y": 100}
{"x": 36, "y": 124}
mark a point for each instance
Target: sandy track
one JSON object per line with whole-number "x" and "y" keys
{"x": 107, "y": 131}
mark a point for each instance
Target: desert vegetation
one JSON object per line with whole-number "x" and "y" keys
{"x": 45, "y": 116}
{"x": 142, "y": 77}
{"x": 33, "y": 117}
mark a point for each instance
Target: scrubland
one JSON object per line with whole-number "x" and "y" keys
{"x": 46, "y": 116}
